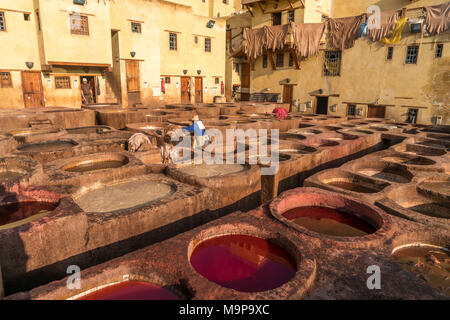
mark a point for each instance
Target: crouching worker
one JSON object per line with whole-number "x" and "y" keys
{"x": 167, "y": 150}
{"x": 200, "y": 136}
{"x": 139, "y": 142}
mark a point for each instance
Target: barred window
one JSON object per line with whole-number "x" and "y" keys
{"x": 216, "y": 80}
{"x": 79, "y": 24}
{"x": 167, "y": 80}
{"x": 390, "y": 53}
{"x": 136, "y": 27}
{"x": 439, "y": 50}
{"x": 5, "y": 80}
{"x": 172, "y": 41}
{"x": 264, "y": 61}
{"x": 207, "y": 45}
{"x": 291, "y": 16}
{"x": 332, "y": 65}
{"x": 351, "y": 110}
{"x": 280, "y": 60}
{"x": 291, "y": 60}
{"x": 195, "y": 39}
{"x": 411, "y": 54}
{"x": 2, "y": 21}
{"x": 62, "y": 82}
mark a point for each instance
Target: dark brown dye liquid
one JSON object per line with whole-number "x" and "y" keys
{"x": 22, "y": 210}
{"x": 352, "y": 187}
{"x": 329, "y": 221}
{"x": 7, "y": 175}
{"x": 431, "y": 264}
{"x": 131, "y": 290}
{"x": 243, "y": 263}
{"x": 96, "y": 166}
{"x": 46, "y": 147}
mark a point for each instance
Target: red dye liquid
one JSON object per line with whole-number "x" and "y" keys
{"x": 329, "y": 221}
{"x": 131, "y": 290}
{"x": 22, "y": 210}
{"x": 243, "y": 263}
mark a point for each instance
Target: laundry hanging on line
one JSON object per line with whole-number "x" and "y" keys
{"x": 437, "y": 18}
{"x": 388, "y": 21}
{"x": 396, "y": 34}
{"x": 344, "y": 31}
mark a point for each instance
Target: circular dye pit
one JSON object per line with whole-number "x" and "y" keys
{"x": 211, "y": 170}
{"x": 16, "y": 214}
{"x": 90, "y": 130}
{"x": 47, "y": 146}
{"x": 243, "y": 263}
{"x": 99, "y": 164}
{"x": 123, "y": 195}
{"x": 329, "y": 221}
{"x": 419, "y": 161}
{"x": 131, "y": 290}
{"x": 428, "y": 262}
{"x": 352, "y": 186}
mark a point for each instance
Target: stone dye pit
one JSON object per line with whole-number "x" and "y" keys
{"x": 243, "y": 263}
{"x": 130, "y": 290}
{"x": 348, "y": 192}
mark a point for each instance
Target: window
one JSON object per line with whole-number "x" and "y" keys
{"x": 5, "y": 80}
{"x": 26, "y": 16}
{"x": 332, "y": 65}
{"x": 62, "y": 82}
{"x": 264, "y": 61}
{"x": 276, "y": 18}
{"x": 439, "y": 50}
{"x": 291, "y": 60}
{"x": 236, "y": 67}
{"x": 172, "y": 41}
{"x": 291, "y": 16}
{"x": 216, "y": 80}
{"x": 280, "y": 60}
{"x": 411, "y": 54}
{"x": 136, "y": 27}
{"x": 225, "y": 1}
{"x": 2, "y": 21}
{"x": 79, "y": 24}
{"x": 38, "y": 20}
{"x": 167, "y": 80}
{"x": 195, "y": 39}
{"x": 351, "y": 110}
{"x": 207, "y": 45}
{"x": 390, "y": 53}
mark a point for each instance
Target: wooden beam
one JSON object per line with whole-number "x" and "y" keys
{"x": 261, "y": 7}
{"x": 290, "y": 3}
{"x": 272, "y": 63}
{"x": 297, "y": 63}
{"x": 249, "y": 10}
{"x": 79, "y": 64}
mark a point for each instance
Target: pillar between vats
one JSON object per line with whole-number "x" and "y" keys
{"x": 2, "y": 291}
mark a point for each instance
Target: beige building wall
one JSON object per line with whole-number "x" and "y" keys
{"x": 18, "y": 45}
{"x": 367, "y": 77}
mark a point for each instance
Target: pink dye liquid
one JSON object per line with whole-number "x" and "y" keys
{"x": 131, "y": 290}
{"x": 18, "y": 211}
{"x": 243, "y": 263}
{"x": 329, "y": 221}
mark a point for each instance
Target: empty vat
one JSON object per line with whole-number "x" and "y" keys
{"x": 97, "y": 163}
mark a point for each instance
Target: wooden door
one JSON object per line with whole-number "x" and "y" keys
{"x": 133, "y": 82}
{"x": 288, "y": 93}
{"x": 33, "y": 94}
{"x": 322, "y": 105}
{"x": 133, "y": 77}
{"x": 245, "y": 82}
{"x": 198, "y": 90}
{"x": 376, "y": 111}
{"x": 185, "y": 96}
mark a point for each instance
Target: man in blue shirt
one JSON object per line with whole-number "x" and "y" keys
{"x": 200, "y": 137}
